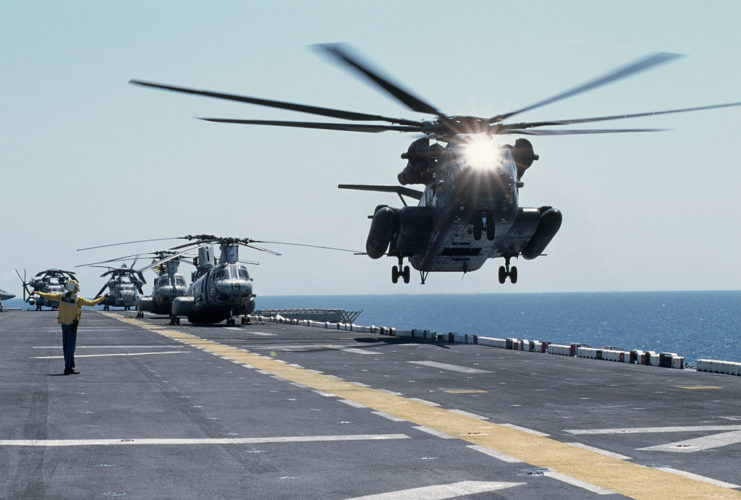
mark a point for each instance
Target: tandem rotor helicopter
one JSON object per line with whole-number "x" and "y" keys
{"x": 47, "y": 281}
{"x": 221, "y": 288}
{"x": 469, "y": 209}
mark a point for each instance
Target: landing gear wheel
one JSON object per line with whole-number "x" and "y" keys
{"x": 490, "y": 226}
{"x": 230, "y": 322}
{"x": 243, "y": 320}
{"x": 405, "y": 274}
{"x": 177, "y": 321}
{"x": 502, "y": 275}
{"x": 395, "y": 275}
{"x": 513, "y": 275}
{"x": 477, "y": 226}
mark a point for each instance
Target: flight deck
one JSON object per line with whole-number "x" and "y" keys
{"x": 282, "y": 411}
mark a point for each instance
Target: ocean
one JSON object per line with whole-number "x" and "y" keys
{"x": 696, "y": 324}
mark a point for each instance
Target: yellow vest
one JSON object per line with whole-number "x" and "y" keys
{"x": 70, "y": 311}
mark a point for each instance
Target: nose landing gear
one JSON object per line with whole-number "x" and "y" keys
{"x": 481, "y": 221}
{"x": 506, "y": 272}
{"x": 400, "y": 271}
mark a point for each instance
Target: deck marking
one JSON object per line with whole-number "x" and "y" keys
{"x": 111, "y": 346}
{"x": 705, "y": 479}
{"x": 449, "y": 367}
{"x": 469, "y": 414}
{"x": 495, "y": 454}
{"x": 434, "y": 432}
{"x": 621, "y": 477}
{"x": 112, "y": 354}
{"x": 199, "y": 441}
{"x": 465, "y": 391}
{"x": 388, "y": 417}
{"x": 525, "y": 429}
{"x": 579, "y": 484}
{"x": 441, "y": 491}
{"x": 600, "y": 450}
{"x": 652, "y": 430}
{"x": 699, "y": 444}
{"x": 699, "y": 387}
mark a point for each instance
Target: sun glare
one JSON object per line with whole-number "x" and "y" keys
{"x": 481, "y": 152}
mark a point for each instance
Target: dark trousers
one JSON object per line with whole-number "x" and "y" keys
{"x": 69, "y": 342}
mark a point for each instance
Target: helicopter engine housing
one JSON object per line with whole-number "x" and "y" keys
{"x": 183, "y": 306}
{"x": 415, "y": 228}
{"x": 381, "y": 231}
{"x": 548, "y": 226}
{"x": 145, "y": 304}
{"x": 421, "y": 158}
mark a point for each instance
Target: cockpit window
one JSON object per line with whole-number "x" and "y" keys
{"x": 179, "y": 281}
{"x": 243, "y": 274}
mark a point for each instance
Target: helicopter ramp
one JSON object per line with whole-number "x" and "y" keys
{"x": 284, "y": 411}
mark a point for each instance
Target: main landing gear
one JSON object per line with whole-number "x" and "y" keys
{"x": 400, "y": 271}
{"x": 506, "y": 272}
{"x": 481, "y": 221}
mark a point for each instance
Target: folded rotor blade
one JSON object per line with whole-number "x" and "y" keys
{"x": 620, "y": 73}
{"x": 101, "y": 290}
{"x": 413, "y": 102}
{"x": 166, "y": 259}
{"x": 302, "y": 108}
{"x": 255, "y": 247}
{"x": 307, "y": 246}
{"x": 582, "y": 132}
{"x": 615, "y": 117}
{"x": 126, "y": 243}
{"x": 350, "y": 127}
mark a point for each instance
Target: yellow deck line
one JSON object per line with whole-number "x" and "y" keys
{"x": 616, "y": 475}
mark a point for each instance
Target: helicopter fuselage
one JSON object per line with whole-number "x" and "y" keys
{"x": 468, "y": 212}
{"x": 221, "y": 290}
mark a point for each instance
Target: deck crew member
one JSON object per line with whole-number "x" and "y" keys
{"x": 70, "y": 311}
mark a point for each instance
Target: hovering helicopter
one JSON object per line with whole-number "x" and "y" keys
{"x": 124, "y": 287}
{"x": 221, "y": 288}
{"x": 469, "y": 209}
{"x": 48, "y": 281}
{"x": 4, "y": 296}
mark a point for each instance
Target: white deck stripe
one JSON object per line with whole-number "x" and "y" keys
{"x": 699, "y": 444}
{"x": 196, "y": 441}
{"x": 698, "y": 477}
{"x": 449, "y": 367}
{"x": 433, "y": 432}
{"x": 111, "y": 346}
{"x": 113, "y": 354}
{"x": 650, "y": 430}
{"x": 579, "y": 484}
{"x": 495, "y": 454}
{"x": 441, "y": 491}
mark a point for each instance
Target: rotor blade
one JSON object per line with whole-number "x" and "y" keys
{"x": 306, "y": 245}
{"x": 127, "y": 257}
{"x": 249, "y": 262}
{"x": 162, "y": 261}
{"x": 615, "y": 117}
{"x": 350, "y": 127}
{"x": 620, "y": 73}
{"x": 413, "y": 102}
{"x": 582, "y": 132}
{"x": 255, "y": 247}
{"x": 301, "y": 108}
{"x": 101, "y": 290}
{"x": 127, "y": 243}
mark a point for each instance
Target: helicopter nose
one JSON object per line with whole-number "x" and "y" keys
{"x": 234, "y": 287}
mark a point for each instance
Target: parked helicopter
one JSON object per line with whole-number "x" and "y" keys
{"x": 167, "y": 286}
{"x": 4, "y": 296}
{"x": 221, "y": 288}
{"x": 124, "y": 287}
{"x": 48, "y": 281}
{"x": 471, "y": 181}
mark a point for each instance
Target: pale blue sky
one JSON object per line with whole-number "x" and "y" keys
{"x": 88, "y": 159}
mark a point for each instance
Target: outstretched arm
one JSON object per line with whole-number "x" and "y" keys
{"x": 49, "y": 296}
{"x": 85, "y": 302}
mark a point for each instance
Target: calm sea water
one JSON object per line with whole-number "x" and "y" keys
{"x": 692, "y": 324}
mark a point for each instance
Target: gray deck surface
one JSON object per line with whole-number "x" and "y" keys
{"x": 137, "y": 421}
